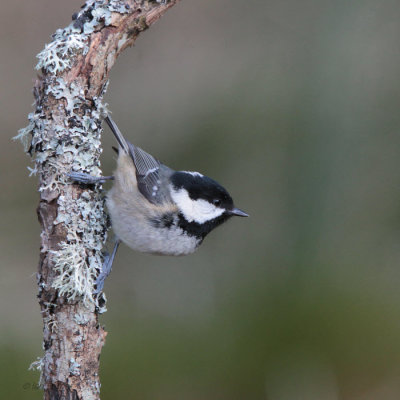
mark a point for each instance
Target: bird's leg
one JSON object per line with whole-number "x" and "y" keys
{"x": 106, "y": 268}
{"x": 88, "y": 179}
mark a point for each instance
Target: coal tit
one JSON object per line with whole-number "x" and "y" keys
{"x": 155, "y": 209}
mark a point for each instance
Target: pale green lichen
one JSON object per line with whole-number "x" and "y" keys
{"x": 71, "y": 141}
{"x": 49, "y": 319}
{"x": 73, "y": 94}
{"x": 25, "y": 134}
{"x": 118, "y": 6}
{"x": 81, "y": 318}
{"x": 57, "y": 56}
{"x": 79, "y": 144}
{"x": 74, "y": 367}
{"x": 32, "y": 171}
{"x": 98, "y": 14}
{"x": 38, "y": 365}
{"x": 76, "y": 272}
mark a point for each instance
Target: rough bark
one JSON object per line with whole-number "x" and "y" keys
{"x": 64, "y": 135}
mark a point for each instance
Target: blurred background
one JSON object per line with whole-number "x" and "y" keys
{"x": 294, "y": 107}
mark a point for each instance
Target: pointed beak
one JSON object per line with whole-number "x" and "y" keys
{"x": 239, "y": 213}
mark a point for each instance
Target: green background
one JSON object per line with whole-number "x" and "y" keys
{"x": 294, "y": 107}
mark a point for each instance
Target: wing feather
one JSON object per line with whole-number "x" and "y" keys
{"x": 152, "y": 176}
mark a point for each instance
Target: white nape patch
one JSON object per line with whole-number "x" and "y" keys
{"x": 193, "y": 173}
{"x": 199, "y": 211}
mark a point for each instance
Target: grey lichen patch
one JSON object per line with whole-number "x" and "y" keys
{"x": 119, "y": 6}
{"x": 49, "y": 317}
{"x": 76, "y": 272}
{"x": 50, "y": 322}
{"x": 70, "y": 140}
{"x": 38, "y": 365}
{"x": 81, "y": 318}
{"x": 25, "y": 134}
{"x": 74, "y": 367}
{"x": 58, "y": 55}
{"x": 78, "y": 259}
{"x": 73, "y": 94}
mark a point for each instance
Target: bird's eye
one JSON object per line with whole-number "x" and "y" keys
{"x": 217, "y": 202}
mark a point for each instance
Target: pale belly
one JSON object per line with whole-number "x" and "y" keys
{"x": 135, "y": 230}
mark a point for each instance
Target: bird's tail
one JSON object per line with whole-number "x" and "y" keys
{"x": 118, "y": 135}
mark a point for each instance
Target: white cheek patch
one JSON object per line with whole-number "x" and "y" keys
{"x": 199, "y": 211}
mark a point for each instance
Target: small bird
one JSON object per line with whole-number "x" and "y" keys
{"x": 155, "y": 209}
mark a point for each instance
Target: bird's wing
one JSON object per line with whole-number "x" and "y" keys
{"x": 151, "y": 175}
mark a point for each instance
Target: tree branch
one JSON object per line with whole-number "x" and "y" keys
{"x": 64, "y": 134}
